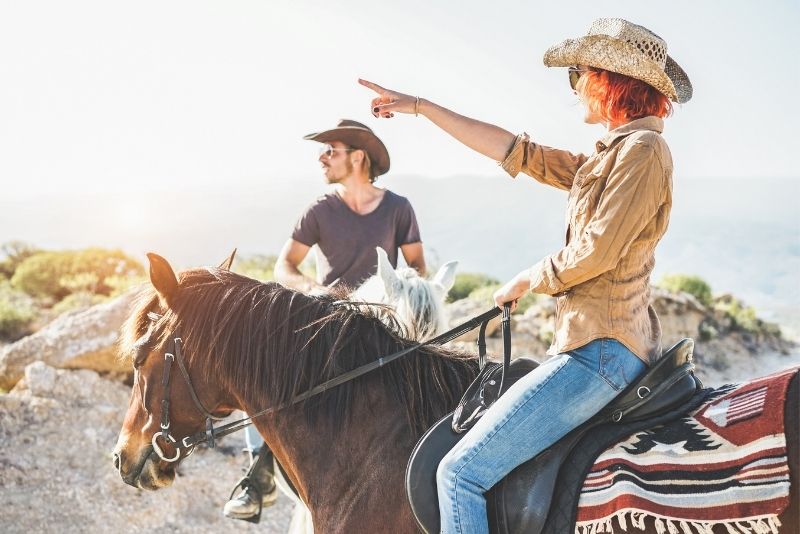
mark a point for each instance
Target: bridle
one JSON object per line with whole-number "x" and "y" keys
{"x": 169, "y": 359}
{"x": 211, "y": 434}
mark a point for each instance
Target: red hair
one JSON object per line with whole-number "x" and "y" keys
{"x": 619, "y": 99}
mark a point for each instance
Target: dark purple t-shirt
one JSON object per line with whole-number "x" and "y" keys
{"x": 347, "y": 240}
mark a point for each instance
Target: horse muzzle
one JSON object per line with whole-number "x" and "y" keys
{"x": 147, "y": 473}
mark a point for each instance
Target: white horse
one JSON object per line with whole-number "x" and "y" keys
{"x": 415, "y": 305}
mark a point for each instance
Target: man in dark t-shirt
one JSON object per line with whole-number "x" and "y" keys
{"x": 346, "y": 225}
{"x": 346, "y": 240}
{"x": 350, "y": 221}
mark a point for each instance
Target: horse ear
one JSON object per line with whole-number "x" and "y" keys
{"x": 226, "y": 264}
{"x": 391, "y": 282}
{"x": 163, "y": 278}
{"x": 446, "y": 275}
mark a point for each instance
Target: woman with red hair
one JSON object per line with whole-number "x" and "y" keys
{"x": 606, "y": 333}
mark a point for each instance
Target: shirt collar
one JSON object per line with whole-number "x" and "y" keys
{"x": 653, "y": 123}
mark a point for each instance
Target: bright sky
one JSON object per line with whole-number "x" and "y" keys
{"x": 112, "y": 96}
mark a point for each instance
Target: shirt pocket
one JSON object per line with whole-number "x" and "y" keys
{"x": 587, "y": 197}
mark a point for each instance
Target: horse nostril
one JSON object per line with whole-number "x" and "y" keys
{"x": 116, "y": 461}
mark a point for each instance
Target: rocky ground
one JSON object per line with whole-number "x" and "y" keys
{"x": 56, "y": 475}
{"x": 59, "y": 423}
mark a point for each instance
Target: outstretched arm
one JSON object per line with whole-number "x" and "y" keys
{"x": 485, "y": 138}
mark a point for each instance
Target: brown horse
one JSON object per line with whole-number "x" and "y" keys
{"x": 250, "y": 346}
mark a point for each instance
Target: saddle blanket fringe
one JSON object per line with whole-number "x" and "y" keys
{"x": 670, "y": 525}
{"x": 722, "y": 464}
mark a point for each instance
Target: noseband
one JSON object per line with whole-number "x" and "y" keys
{"x": 211, "y": 434}
{"x": 169, "y": 359}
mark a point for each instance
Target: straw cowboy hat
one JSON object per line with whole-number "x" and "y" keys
{"x": 625, "y": 48}
{"x": 356, "y": 135}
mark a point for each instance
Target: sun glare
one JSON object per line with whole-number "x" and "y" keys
{"x": 130, "y": 217}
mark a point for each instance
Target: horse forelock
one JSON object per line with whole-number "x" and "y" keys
{"x": 136, "y": 325}
{"x": 269, "y": 344}
{"x": 417, "y": 303}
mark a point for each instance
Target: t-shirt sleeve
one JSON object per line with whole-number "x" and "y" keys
{"x": 407, "y": 231}
{"x": 306, "y": 230}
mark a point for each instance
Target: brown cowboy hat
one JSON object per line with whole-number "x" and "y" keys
{"x": 356, "y": 135}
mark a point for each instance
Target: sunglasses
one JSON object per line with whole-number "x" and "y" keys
{"x": 575, "y": 75}
{"x": 328, "y": 150}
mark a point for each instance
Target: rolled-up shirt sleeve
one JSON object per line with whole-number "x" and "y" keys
{"x": 551, "y": 166}
{"x": 633, "y": 194}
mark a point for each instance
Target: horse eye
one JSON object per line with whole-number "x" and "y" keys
{"x": 142, "y": 347}
{"x": 141, "y": 350}
{"x": 141, "y": 356}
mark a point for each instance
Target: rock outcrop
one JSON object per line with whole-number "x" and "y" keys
{"x": 464, "y": 309}
{"x": 724, "y": 351}
{"x": 82, "y": 339}
{"x": 57, "y": 431}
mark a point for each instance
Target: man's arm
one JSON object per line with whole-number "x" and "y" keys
{"x": 412, "y": 252}
{"x": 286, "y": 267}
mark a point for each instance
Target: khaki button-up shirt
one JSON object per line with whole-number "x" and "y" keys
{"x": 618, "y": 209}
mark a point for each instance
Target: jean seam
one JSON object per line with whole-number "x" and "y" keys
{"x": 480, "y": 446}
{"x": 455, "y": 508}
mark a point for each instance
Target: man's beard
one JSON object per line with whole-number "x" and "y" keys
{"x": 337, "y": 178}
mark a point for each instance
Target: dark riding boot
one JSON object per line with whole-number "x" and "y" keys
{"x": 258, "y": 488}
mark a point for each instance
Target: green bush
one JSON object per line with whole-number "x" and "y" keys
{"x": 708, "y": 331}
{"x": 485, "y": 293}
{"x": 466, "y": 283}
{"x": 17, "y": 313}
{"x": 120, "y": 284}
{"x": 14, "y": 252}
{"x": 694, "y": 285}
{"x": 262, "y": 266}
{"x": 526, "y": 301}
{"x": 54, "y": 275}
{"x": 772, "y": 329}
{"x": 258, "y": 266}
{"x": 743, "y": 317}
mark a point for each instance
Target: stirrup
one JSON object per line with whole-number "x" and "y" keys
{"x": 245, "y": 483}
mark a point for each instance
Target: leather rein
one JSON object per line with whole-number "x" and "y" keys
{"x": 211, "y": 434}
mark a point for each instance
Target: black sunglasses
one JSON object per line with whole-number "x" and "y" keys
{"x": 575, "y": 75}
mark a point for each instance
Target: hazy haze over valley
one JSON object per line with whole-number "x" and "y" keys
{"x": 741, "y": 235}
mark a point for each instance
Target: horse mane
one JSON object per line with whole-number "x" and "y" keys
{"x": 269, "y": 344}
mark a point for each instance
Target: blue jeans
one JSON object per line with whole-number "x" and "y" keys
{"x": 538, "y": 410}
{"x": 252, "y": 438}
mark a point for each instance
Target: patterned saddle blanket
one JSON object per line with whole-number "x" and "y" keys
{"x": 724, "y": 463}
